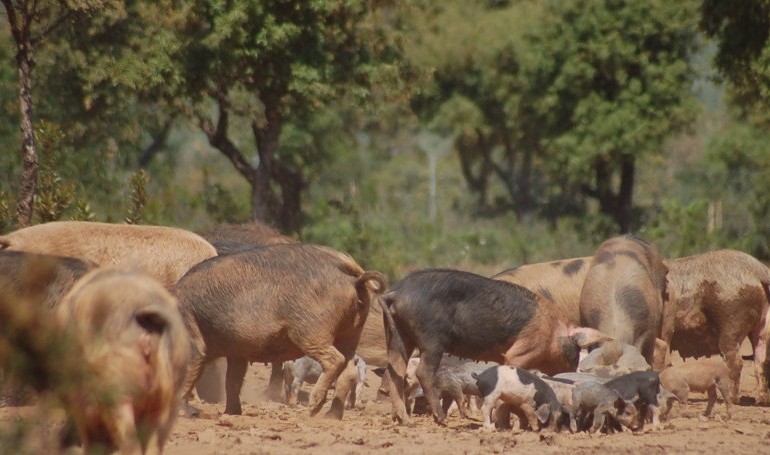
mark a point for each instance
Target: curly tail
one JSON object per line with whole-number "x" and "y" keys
{"x": 374, "y": 282}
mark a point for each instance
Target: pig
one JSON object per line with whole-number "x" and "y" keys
{"x": 624, "y": 294}
{"x": 613, "y": 359}
{"x": 702, "y": 375}
{"x": 166, "y": 253}
{"x": 277, "y": 303}
{"x": 454, "y": 381}
{"x": 643, "y": 389}
{"x": 228, "y": 238}
{"x": 578, "y": 378}
{"x": 528, "y": 396}
{"x": 561, "y": 387}
{"x": 603, "y": 405}
{"x": 21, "y": 276}
{"x": 307, "y": 370}
{"x": 720, "y": 298}
{"x": 130, "y": 336}
{"x": 448, "y": 311}
{"x": 65, "y": 271}
{"x": 559, "y": 282}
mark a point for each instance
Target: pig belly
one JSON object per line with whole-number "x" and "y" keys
{"x": 695, "y": 343}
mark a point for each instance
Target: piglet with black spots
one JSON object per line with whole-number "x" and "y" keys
{"x": 597, "y": 403}
{"x": 528, "y": 396}
{"x": 643, "y": 389}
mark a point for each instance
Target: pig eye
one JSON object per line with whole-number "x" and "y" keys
{"x": 151, "y": 322}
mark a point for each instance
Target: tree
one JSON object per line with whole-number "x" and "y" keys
{"x": 611, "y": 83}
{"x": 471, "y": 50}
{"x": 258, "y": 66}
{"x": 30, "y": 23}
{"x": 742, "y": 32}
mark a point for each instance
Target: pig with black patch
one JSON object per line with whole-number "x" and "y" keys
{"x": 442, "y": 311}
{"x": 527, "y": 396}
{"x": 625, "y": 295}
{"x": 643, "y": 389}
{"x": 602, "y": 406}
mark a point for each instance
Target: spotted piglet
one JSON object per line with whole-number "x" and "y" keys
{"x": 528, "y": 396}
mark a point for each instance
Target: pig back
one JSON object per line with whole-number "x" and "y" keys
{"x": 164, "y": 252}
{"x": 623, "y": 293}
{"x": 559, "y": 282}
{"x": 467, "y": 313}
{"x": 252, "y": 297}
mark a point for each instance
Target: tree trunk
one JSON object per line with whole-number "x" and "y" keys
{"x": 266, "y": 205}
{"x": 26, "y": 203}
{"x": 625, "y": 194}
{"x": 25, "y": 62}
{"x": 616, "y": 205}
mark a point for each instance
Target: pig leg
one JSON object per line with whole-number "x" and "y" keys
{"x": 194, "y": 372}
{"x": 712, "y": 394}
{"x": 345, "y": 386}
{"x": 123, "y": 428}
{"x": 655, "y": 412}
{"x": 273, "y": 391}
{"x": 503, "y": 416}
{"x": 759, "y": 344}
{"x": 488, "y": 408}
{"x": 426, "y": 374}
{"x": 731, "y": 352}
{"x": 332, "y": 362}
{"x": 293, "y": 391}
{"x": 236, "y": 371}
{"x": 724, "y": 388}
{"x": 597, "y": 421}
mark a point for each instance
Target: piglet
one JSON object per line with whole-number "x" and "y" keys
{"x": 529, "y": 397}
{"x": 307, "y": 370}
{"x": 702, "y": 375}
{"x": 643, "y": 389}
{"x": 454, "y": 380}
{"x": 601, "y": 404}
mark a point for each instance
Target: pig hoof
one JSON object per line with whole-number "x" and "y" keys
{"x": 189, "y": 411}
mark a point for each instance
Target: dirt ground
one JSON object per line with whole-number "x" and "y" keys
{"x": 274, "y": 428}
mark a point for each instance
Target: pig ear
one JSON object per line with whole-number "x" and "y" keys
{"x": 543, "y": 413}
{"x": 586, "y": 337}
{"x": 620, "y": 404}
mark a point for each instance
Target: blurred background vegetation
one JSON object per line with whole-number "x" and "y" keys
{"x": 476, "y": 134}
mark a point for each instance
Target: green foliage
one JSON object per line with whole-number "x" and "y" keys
{"x": 138, "y": 196}
{"x": 54, "y": 194}
{"x": 6, "y": 212}
{"x": 222, "y": 206}
{"x": 742, "y": 30}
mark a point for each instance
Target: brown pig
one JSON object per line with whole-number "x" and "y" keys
{"x": 38, "y": 277}
{"x": 625, "y": 295}
{"x": 277, "y": 303}
{"x": 227, "y": 238}
{"x": 166, "y": 253}
{"x": 706, "y": 374}
{"x": 132, "y": 341}
{"x": 720, "y": 298}
{"x": 15, "y": 268}
{"x": 559, "y": 282}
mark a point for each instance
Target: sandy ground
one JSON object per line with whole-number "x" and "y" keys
{"x": 273, "y": 428}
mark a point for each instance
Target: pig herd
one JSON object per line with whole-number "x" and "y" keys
{"x": 580, "y": 343}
